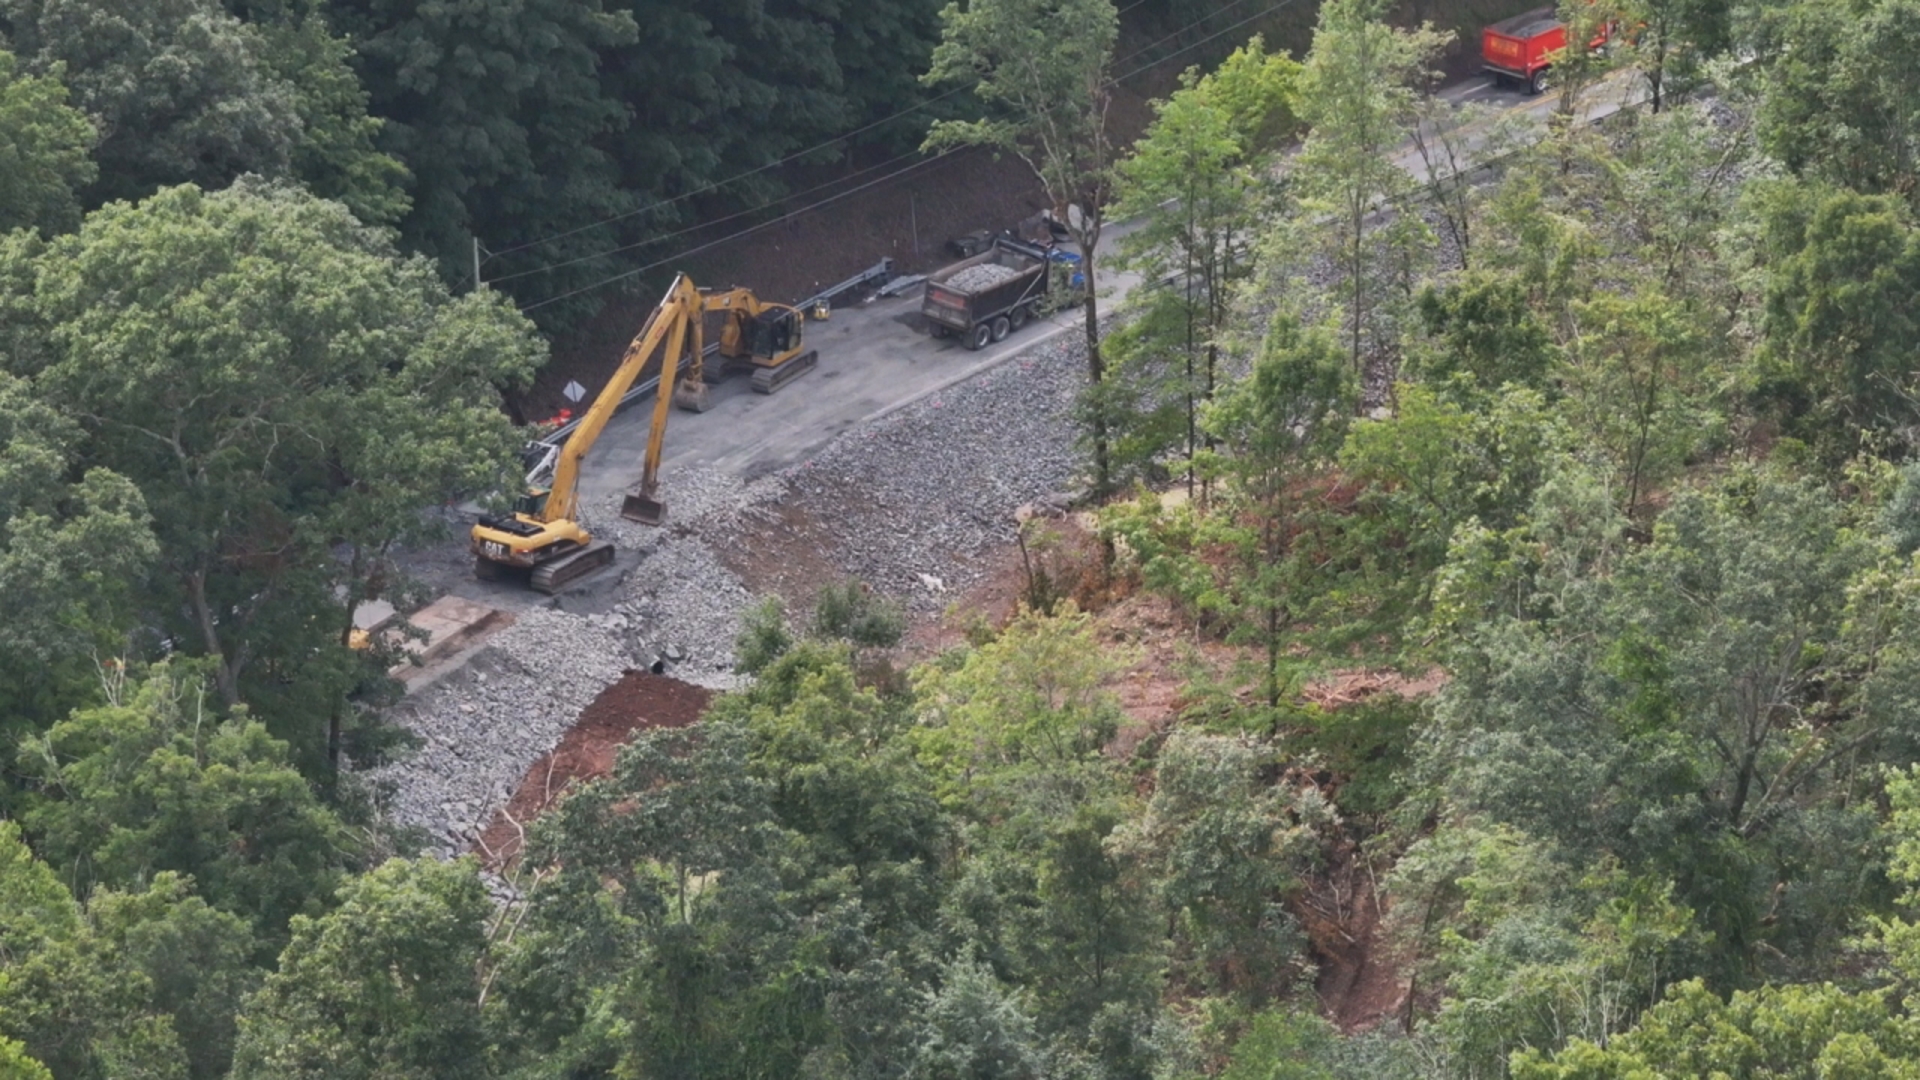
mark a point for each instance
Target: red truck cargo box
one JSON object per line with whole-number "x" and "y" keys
{"x": 1523, "y": 47}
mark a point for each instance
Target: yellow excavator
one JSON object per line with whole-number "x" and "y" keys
{"x": 543, "y": 534}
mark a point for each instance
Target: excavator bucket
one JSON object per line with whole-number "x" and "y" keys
{"x": 691, "y": 395}
{"x": 643, "y": 507}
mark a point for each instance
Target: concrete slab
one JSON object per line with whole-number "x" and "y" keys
{"x": 372, "y": 615}
{"x": 452, "y": 624}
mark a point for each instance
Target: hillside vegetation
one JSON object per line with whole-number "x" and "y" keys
{"x": 1601, "y": 425}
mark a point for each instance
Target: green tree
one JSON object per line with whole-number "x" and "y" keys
{"x": 1839, "y": 330}
{"x": 498, "y": 112}
{"x": 1481, "y": 327}
{"x": 286, "y": 390}
{"x": 179, "y": 90}
{"x": 738, "y": 900}
{"x": 66, "y": 993}
{"x": 1775, "y": 1032}
{"x": 1703, "y": 705}
{"x": 842, "y": 780}
{"x": 1836, "y": 102}
{"x": 336, "y": 152}
{"x": 1282, "y": 1046}
{"x": 1439, "y": 473}
{"x": 1029, "y": 707}
{"x": 1039, "y": 68}
{"x": 1223, "y": 847}
{"x": 852, "y": 612}
{"x": 197, "y": 959}
{"x": 1637, "y": 377}
{"x": 1198, "y": 177}
{"x": 72, "y": 554}
{"x": 1277, "y": 428}
{"x": 47, "y": 160}
{"x": 159, "y": 780}
{"x": 1357, "y": 99}
{"x": 387, "y": 984}
{"x": 1671, "y": 42}
{"x": 16, "y": 1065}
{"x": 975, "y": 1028}
{"x": 763, "y": 637}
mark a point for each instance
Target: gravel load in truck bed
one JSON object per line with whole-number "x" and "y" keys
{"x": 983, "y": 276}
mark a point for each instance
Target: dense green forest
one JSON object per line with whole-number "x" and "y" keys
{"x": 1606, "y": 429}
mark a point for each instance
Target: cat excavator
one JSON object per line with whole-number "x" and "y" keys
{"x": 543, "y": 534}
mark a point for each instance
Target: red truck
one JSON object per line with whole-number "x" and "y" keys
{"x": 1522, "y": 49}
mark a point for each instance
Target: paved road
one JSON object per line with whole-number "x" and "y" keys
{"x": 877, "y": 357}
{"x": 874, "y": 358}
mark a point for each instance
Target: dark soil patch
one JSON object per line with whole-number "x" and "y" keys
{"x": 1362, "y": 980}
{"x": 788, "y": 553}
{"x": 639, "y": 701}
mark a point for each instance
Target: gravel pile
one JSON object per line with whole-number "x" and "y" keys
{"x": 931, "y": 487}
{"x": 985, "y": 275}
{"x": 706, "y": 501}
{"x": 682, "y": 606}
{"x": 480, "y": 727}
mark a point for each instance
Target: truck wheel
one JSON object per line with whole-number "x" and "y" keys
{"x": 1538, "y": 83}
{"x": 979, "y": 336}
{"x": 1001, "y": 327}
{"x": 1019, "y": 316}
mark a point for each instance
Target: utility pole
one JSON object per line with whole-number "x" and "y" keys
{"x": 477, "y": 282}
{"x": 913, "y": 216}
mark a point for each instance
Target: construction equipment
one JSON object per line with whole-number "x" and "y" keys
{"x": 543, "y": 534}
{"x": 984, "y": 297}
{"x": 1523, "y": 49}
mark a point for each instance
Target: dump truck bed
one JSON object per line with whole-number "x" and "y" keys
{"x": 972, "y": 290}
{"x": 1523, "y": 44}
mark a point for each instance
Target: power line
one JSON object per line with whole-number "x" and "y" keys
{"x": 1111, "y": 82}
{"x": 702, "y": 225}
{"x": 795, "y": 156}
{"x": 733, "y": 236}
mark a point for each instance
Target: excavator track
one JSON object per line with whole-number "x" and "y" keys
{"x": 767, "y": 380}
{"x": 556, "y": 574}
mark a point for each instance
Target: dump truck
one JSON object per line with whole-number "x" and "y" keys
{"x": 1522, "y": 49}
{"x": 984, "y": 298}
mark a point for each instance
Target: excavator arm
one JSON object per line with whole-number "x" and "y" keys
{"x": 677, "y": 314}
{"x": 764, "y": 337}
{"x": 642, "y": 502}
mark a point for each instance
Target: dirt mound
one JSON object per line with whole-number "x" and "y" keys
{"x": 637, "y": 702}
{"x": 1352, "y": 686}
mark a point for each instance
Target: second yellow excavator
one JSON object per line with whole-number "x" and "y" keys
{"x": 543, "y": 534}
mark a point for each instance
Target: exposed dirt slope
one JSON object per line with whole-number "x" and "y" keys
{"x": 637, "y": 702}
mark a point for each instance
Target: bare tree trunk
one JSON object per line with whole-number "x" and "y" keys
{"x": 1088, "y": 237}
{"x": 1187, "y": 307}
{"x": 225, "y": 678}
{"x": 1359, "y": 284}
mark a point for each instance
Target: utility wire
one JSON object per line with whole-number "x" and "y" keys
{"x": 836, "y": 181}
{"x": 734, "y": 236}
{"x": 1111, "y": 82}
{"x": 717, "y": 184}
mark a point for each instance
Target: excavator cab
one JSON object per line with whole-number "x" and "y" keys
{"x": 777, "y": 333}
{"x": 533, "y": 503}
